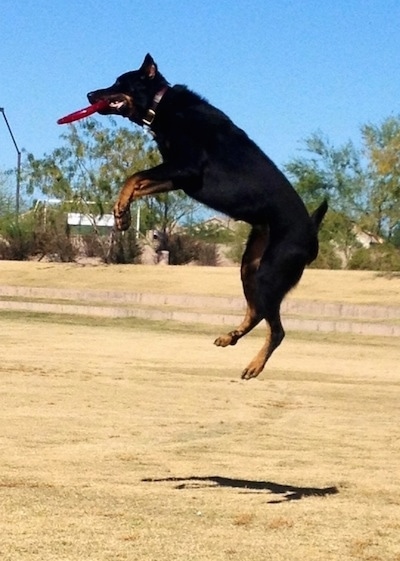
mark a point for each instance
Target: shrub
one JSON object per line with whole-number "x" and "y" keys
{"x": 383, "y": 257}
{"x": 17, "y": 240}
{"x": 184, "y": 249}
{"x": 124, "y": 248}
{"x": 327, "y": 258}
{"x": 238, "y": 242}
{"x": 53, "y": 240}
{"x": 31, "y": 236}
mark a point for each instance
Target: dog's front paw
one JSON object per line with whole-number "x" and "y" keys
{"x": 122, "y": 216}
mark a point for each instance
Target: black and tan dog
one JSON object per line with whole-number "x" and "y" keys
{"x": 215, "y": 162}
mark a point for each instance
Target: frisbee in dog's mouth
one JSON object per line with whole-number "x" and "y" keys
{"x": 86, "y": 111}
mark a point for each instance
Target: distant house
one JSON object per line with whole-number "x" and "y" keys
{"x": 79, "y": 219}
{"x": 78, "y": 222}
{"x": 222, "y": 221}
{"x": 366, "y": 239}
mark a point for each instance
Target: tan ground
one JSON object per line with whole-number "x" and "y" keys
{"x": 122, "y": 440}
{"x": 361, "y": 287}
{"x": 300, "y": 464}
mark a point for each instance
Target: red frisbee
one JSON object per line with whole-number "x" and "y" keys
{"x": 82, "y": 113}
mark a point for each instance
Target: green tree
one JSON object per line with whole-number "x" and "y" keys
{"x": 88, "y": 170}
{"x": 338, "y": 175}
{"x": 7, "y": 202}
{"x": 91, "y": 164}
{"x": 382, "y": 150}
{"x": 164, "y": 212}
{"x": 362, "y": 184}
{"x": 211, "y": 232}
{"x": 328, "y": 172}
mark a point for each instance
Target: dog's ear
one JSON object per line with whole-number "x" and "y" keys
{"x": 149, "y": 67}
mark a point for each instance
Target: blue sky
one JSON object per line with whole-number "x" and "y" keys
{"x": 280, "y": 69}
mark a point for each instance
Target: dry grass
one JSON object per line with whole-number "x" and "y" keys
{"x": 361, "y": 287}
{"x": 127, "y": 440}
{"x": 122, "y": 440}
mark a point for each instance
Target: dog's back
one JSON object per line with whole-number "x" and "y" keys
{"x": 238, "y": 179}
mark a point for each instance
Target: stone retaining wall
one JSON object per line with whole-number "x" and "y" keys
{"x": 337, "y": 317}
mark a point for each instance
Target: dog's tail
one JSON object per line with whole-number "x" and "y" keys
{"x": 316, "y": 218}
{"x": 319, "y": 213}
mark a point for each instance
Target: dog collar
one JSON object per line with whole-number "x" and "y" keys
{"x": 151, "y": 112}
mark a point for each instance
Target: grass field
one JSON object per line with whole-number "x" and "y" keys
{"x": 132, "y": 440}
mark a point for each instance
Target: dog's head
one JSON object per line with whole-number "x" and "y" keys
{"x": 133, "y": 92}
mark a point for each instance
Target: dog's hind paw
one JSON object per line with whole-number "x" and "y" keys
{"x": 252, "y": 370}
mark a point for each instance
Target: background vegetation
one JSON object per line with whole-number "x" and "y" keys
{"x": 84, "y": 174}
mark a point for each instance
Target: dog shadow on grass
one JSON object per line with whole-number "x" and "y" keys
{"x": 285, "y": 492}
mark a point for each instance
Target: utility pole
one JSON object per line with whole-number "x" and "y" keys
{"x": 17, "y": 191}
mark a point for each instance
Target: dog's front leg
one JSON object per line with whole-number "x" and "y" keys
{"x": 138, "y": 185}
{"x": 165, "y": 177}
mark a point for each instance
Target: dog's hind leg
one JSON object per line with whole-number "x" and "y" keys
{"x": 255, "y": 248}
{"x": 280, "y": 270}
{"x": 274, "y": 338}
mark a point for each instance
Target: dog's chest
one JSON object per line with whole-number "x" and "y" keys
{"x": 163, "y": 144}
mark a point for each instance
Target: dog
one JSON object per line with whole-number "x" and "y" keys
{"x": 207, "y": 156}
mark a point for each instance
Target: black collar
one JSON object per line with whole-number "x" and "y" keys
{"x": 151, "y": 112}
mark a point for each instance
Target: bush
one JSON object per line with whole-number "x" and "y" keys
{"x": 238, "y": 243}
{"x": 91, "y": 246}
{"x": 47, "y": 235}
{"x": 31, "y": 236}
{"x": 184, "y": 249}
{"x": 327, "y": 258}
{"x": 211, "y": 233}
{"x": 124, "y": 248}
{"x": 383, "y": 257}
{"x": 17, "y": 242}
{"x": 53, "y": 240}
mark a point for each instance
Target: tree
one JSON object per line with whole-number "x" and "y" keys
{"x": 7, "y": 203}
{"x": 328, "y": 172}
{"x": 164, "y": 212}
{"x": 362, "y": 185}
{"x": 337, "y": 175}
{"x": 88, "y": 170}
{"x": 382, "y": 149}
